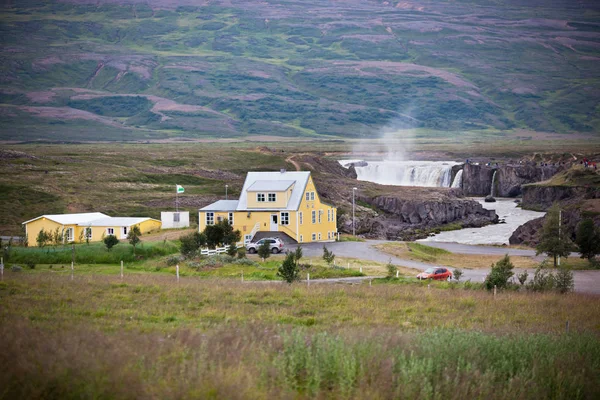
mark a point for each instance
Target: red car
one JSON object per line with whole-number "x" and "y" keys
{"x": 439, "y": 274}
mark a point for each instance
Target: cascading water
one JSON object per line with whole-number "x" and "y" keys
{"x": 493, "y": 188}
{"x": 457, "y": 183}
{"x": 404, "y": 173}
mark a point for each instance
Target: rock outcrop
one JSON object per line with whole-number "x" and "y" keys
{"x": 395, "y": 217}
{"x": 477, "y": 179}
{"x": 540, "y": 197}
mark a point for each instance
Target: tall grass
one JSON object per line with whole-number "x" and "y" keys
{"x": 262, "y": 361}
{"x": 94, "y": 253}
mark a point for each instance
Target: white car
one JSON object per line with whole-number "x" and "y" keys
{"x": 276, "y": 245}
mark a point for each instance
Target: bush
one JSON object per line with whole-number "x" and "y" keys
{"x": 564, "y": 280}
{"x": 245, "y": 261}
{"x": 232, "y": 250}
{"x": 458, "y": 273}
{"x": 391, "y": 269}
{"x": 522, "y": 277}
{"x": 543, "y": 279}
{"x": 191, "y": 243}
{"x": 174, "y": 260}
{"x": 500, "y": 274}
{"x": 289, "y": 270}
{"x": 30, "y": 265}
{"x": 264, "y": 250}
{"x": 241, "y": 252}
{"x": 110, "y": 241}
{"x": 16, "y": 268}
{"x": 328, "y": 256}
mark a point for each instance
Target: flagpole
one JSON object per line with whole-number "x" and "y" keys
{"x": 176, "y": 199}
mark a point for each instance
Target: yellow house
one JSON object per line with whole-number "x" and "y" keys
{"x": 279, "y": 203}
{"x": 78, "y": 227}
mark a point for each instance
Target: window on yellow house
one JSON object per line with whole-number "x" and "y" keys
{"x": 319, "y": 236}
{"x": 300, "y": 217}
{"x": 272, "y": 197}
{"x": 110, "y": 231}
{"x": 260, "y": 197}
{"x": 314, "y": 217}
{"x": 320, "y": 212}
{"x": 314, "y": 237}
{"x": 69, "y": 235}
{"x": 230, "y": 218}
{"x": 312, "y": 196}
{"x": 88, "y": 233}
{"x": 285, "y": 218}
{"x": 301, "y": 238}
{"x": 210, "y": 218}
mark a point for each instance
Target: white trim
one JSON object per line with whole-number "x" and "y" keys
{"x": 297, "y": 227}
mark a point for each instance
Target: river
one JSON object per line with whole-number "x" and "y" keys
{"x": 496, "y": 234}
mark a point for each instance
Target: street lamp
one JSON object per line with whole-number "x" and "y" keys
{"x": 353, "y": 219}
{"x": 226, "y": 186}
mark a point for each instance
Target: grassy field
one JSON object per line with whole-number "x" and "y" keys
{"x": 83, "y": 338}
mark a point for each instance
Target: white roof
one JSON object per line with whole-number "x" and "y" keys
{"x": 116, "y": 221}
{"x": 275, "y": 186}
{"x": 72, "y": 219}
{"x": 300, "y": 179}
{"x": 221, "y": 205}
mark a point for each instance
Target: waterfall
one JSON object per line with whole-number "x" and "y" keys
{"x": 405, "y": 173}
{"x": 493, "y": 189}
{"x": 457, "y": 183}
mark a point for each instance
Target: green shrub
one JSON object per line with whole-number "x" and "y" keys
{"x": 191, "y": 243}
{"x": 246, "y": 262}
{"x": 391, "y": 269}
{"x": 241, "y": 252}
{"x": 522, "y": 277}
{"x": 289, "y": 271}
{"x": 457, "y": 274}
{"x": 564, "y": 280}
{"x": 110, "y": 241}
{"x": 174, "y": 260}
{"x": 264, "y": 250}
{"x": 500, "y": 274}
{"x": 328, "y": 256}
{"x": 16, "y": 268}
{"x": 543, "y": 279}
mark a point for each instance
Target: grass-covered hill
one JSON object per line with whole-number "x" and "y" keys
{"x": 154, "y": 69}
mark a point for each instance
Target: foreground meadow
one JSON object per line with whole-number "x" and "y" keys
{"x": 147, "y": 336}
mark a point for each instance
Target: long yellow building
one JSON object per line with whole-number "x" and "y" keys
{"x": 279, "y": 203}
{"x": 81, "y": 226}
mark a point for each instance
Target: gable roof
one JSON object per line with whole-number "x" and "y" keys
{"x": 221, "y": 205}
{"x": 71, "y": 219}
{"x": 275, "y": 186}
{"x": 278, "y": 179}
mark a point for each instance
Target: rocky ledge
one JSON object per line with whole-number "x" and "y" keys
{"x": 402, "y": 217}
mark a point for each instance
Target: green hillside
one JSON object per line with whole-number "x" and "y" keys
{"x": 124, "y": 70}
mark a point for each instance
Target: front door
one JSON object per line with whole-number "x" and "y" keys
{"x": 124, "y": 232}
{"x": 274, "y": 225}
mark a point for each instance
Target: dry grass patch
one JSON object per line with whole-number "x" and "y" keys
{"x": 419, "y": 252}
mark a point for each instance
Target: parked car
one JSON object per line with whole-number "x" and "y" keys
{"x": 275, "y": 243}
{"x": 439, "y": 274}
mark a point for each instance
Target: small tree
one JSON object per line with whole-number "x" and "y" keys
{"x": 134, "y": 237}
{"x": 221, "y": 233}
{"x": 57, "y": 237}
{"x": 42, "y": 238}
{"x": 88, "y": 235}
{"x": 298, "y": 255}
{"x": 289, "y": 270}
{"x": 458, "y": 273}
{"x": 191, "y": 243}
{"x": 328, "y": 256}
{"x": 81, "y": 234}
{"x": 500, "y": 274}
{"x": 588, "y": 239}
{"x": 241, "y": 252}
{"x": 110, "y": 241}
{"x": 391, "y": 269}
{"x": 554, "y": 240}
{"x": 542, "y": 279}
{"x": 232, "y": 250}
{"x": 264, "y": 250}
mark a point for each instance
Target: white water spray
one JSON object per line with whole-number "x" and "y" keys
{"x": 493, "y": 189}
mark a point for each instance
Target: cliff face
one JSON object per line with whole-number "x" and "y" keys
{"x": 540, "y": 197}
{"x": 394, "y": 217}
{"x": 477, "y": 179}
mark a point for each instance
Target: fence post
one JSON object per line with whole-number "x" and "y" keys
{"x": 494, "y": 290}
{"x": 177, "y": 272}
{"x": 307, "y": 279}
{"x": 361, "y": 269}
{"x": 2, "y": 268}
{"x": 397, "y": 274}
{"x": 121, "y": 269}
{"x": 72, "y": 269}
{"x": 242, "y": 276}
{"x": 567, "y": 326}
{"x": 370, "y": 281}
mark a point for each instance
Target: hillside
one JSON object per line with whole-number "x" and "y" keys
{"x": 155, "y": 69}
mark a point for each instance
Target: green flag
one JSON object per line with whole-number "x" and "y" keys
{"x": 180, "y": 189}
